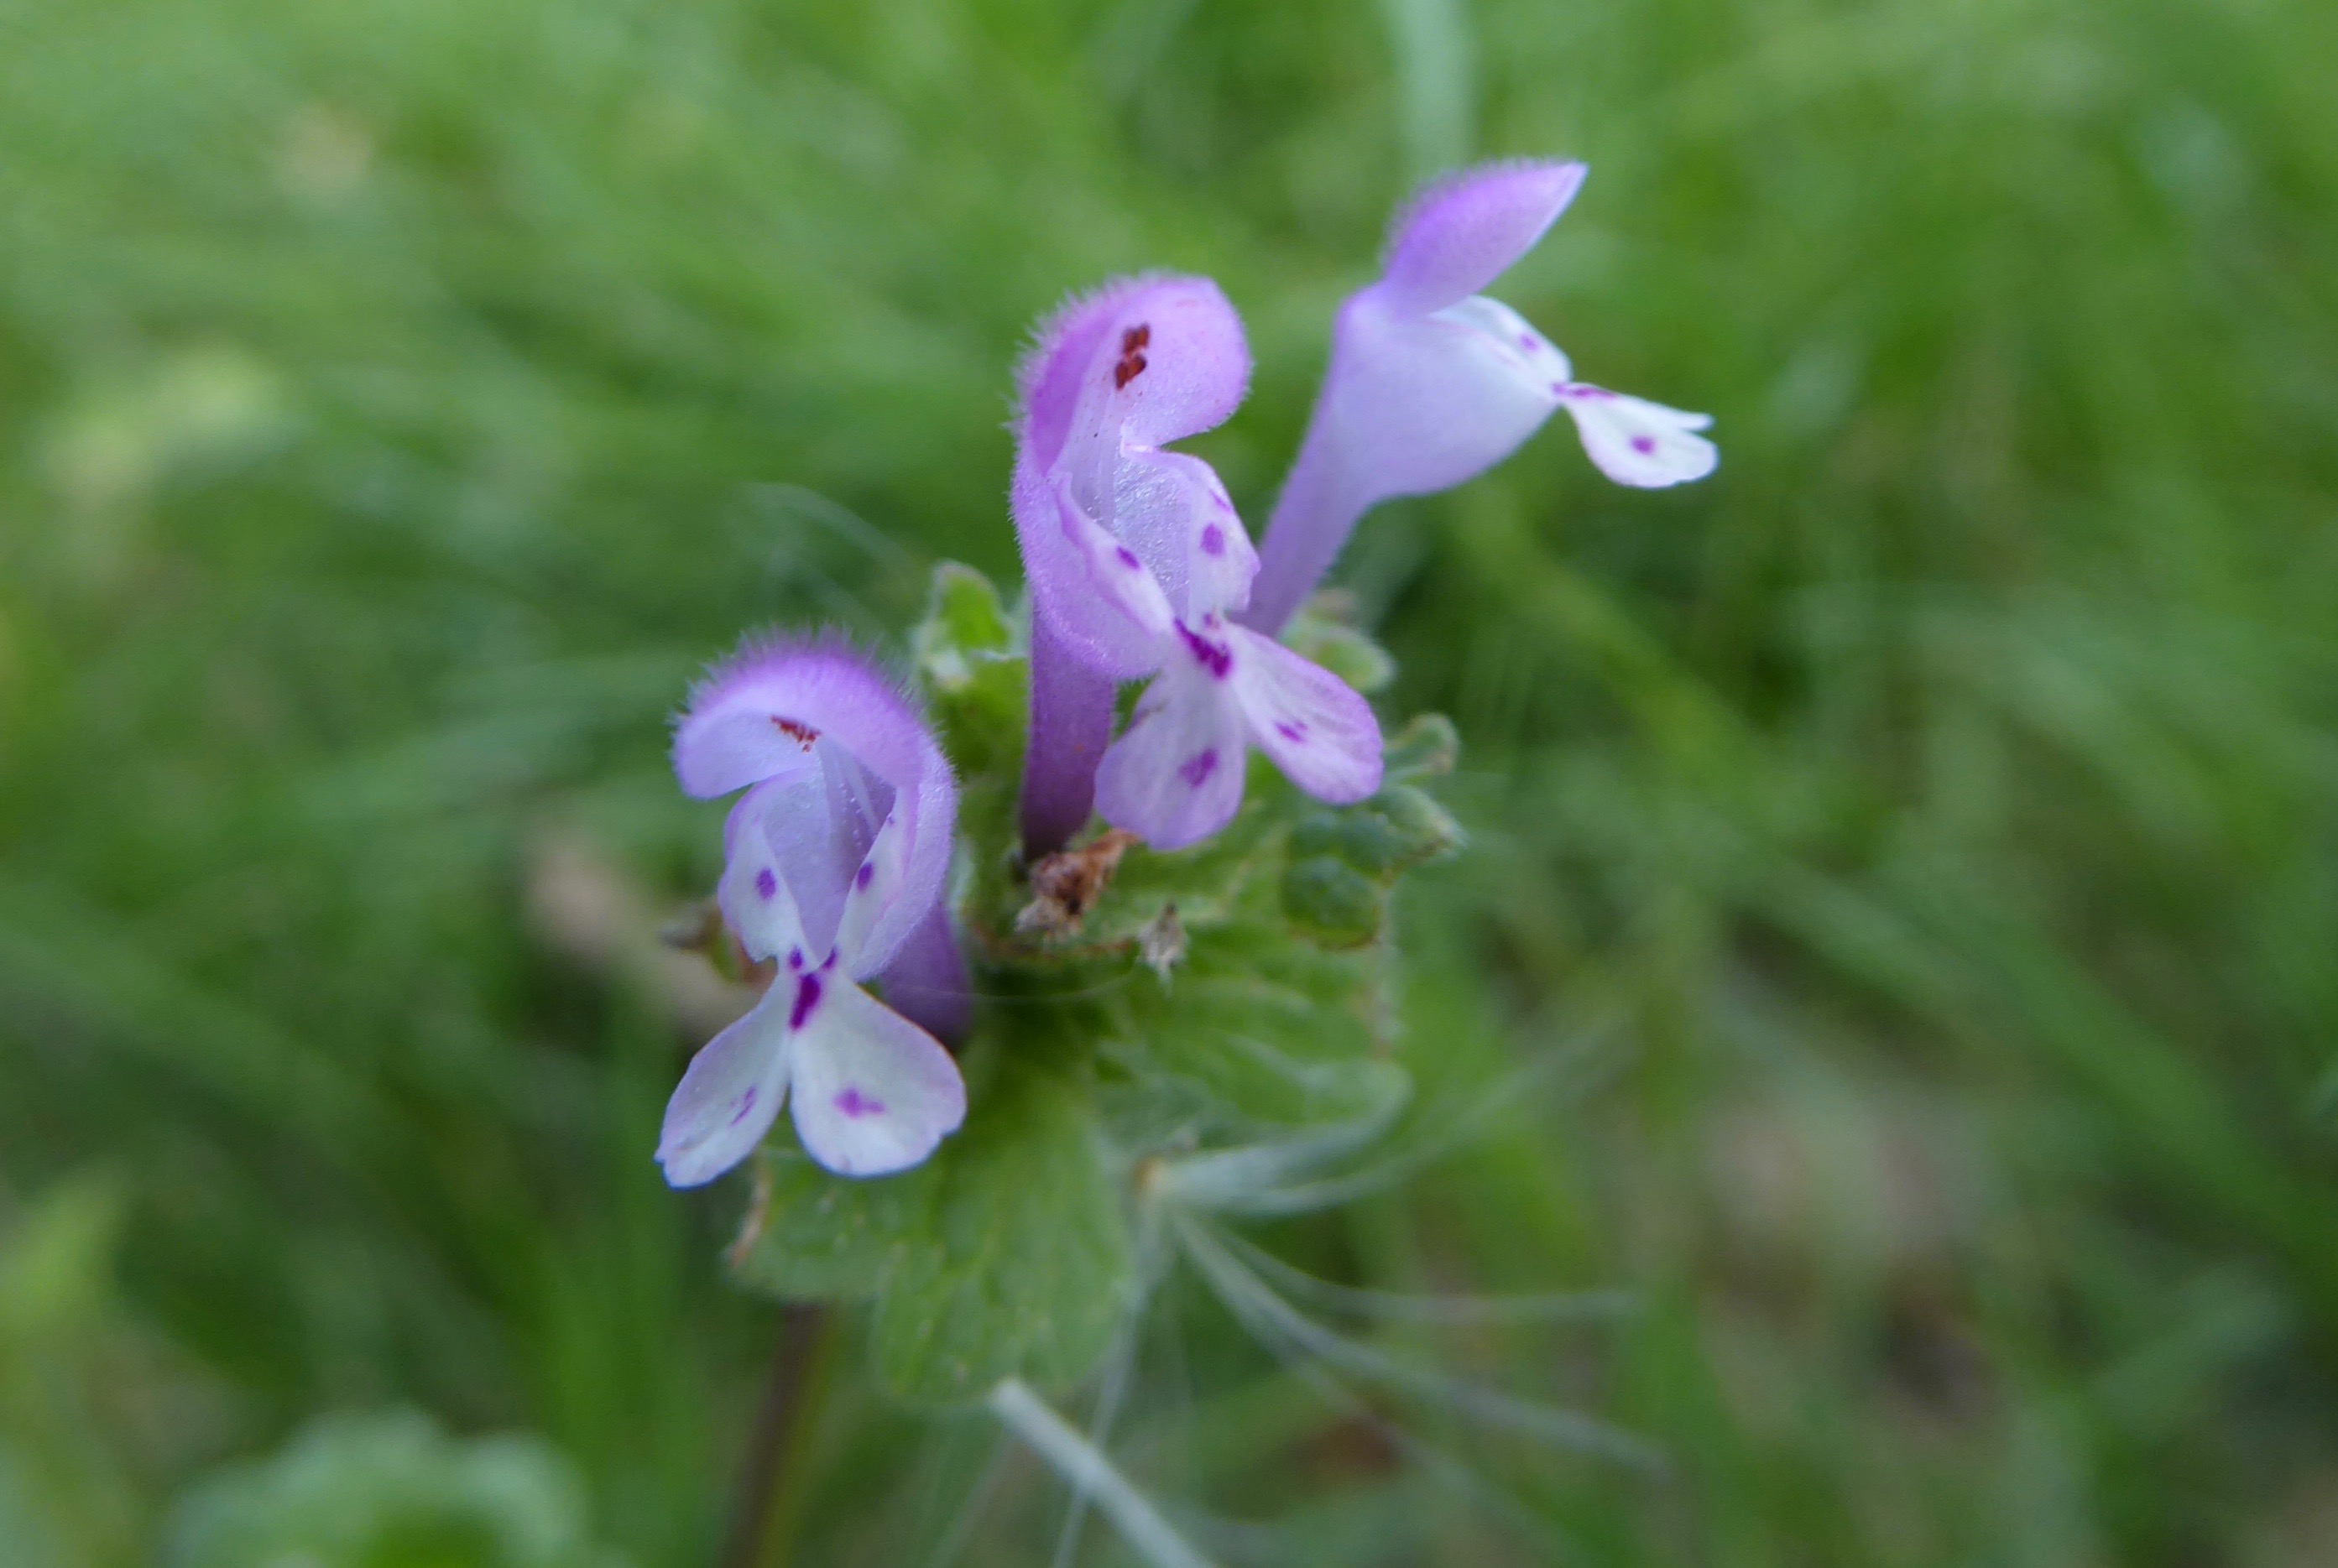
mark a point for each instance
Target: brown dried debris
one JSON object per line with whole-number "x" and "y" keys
{"x": 1066, "y": 886}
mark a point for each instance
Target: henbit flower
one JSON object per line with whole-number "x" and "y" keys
{"x": 835, "y": 861}
{"x": 1099, "y": 510}
{"x": 1430, "y": 383}
{"x": 1135, "y": 557}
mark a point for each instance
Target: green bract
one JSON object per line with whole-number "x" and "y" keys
{"x": 1151, "y": 1028}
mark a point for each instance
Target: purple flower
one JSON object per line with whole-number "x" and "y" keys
{"x": 1430, "y": 383}
{"x": 1135, "y": 558}
{"x": 835, "y": 861}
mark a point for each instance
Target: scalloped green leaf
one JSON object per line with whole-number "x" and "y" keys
{"x": 1025, "y": 1268}
{"x": 816, "y": 1236}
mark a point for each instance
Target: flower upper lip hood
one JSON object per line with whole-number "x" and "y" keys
{"x": 834, "y": 865}
{"x": 1461, "y": 233}
{"x": 1430, "y": 383}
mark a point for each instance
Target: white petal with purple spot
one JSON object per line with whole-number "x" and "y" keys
{"x": 1173, "y": 510}
{"x": 728, "y": 1099}
{"x": 1638, "y": 443}
{"x": 1174, "y": 777}
{"x": 875, "y": 885}
{"x": 754, "y": 895}
{"x": 1315, "y": 727}
{"x": 874, "y": 1093}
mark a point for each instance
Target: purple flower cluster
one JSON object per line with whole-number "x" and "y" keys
{"x": 1139, "y": 568}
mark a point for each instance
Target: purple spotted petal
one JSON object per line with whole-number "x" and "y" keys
{"x": 1102, "y": 601}
{"x": 1636, "y": 442}
{"x": 757, "y": 713}
{"x": 1178, "y": 504}
{"x": 810, "y": 830}
{"x": 1049, "y": 380}
{"x": 754, "y": 893}
{"x": 872, "y": 893}
{"x": 850, "y": 767}
{"x": 1175, "y": 776}
{"x": 874, "y": 1093}
{"x": 1313, "y": 724}
{"x": 728, "y": 1097}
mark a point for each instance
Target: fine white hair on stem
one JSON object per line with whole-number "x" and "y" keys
{"x": 1231, "y": 1179}
{"x": 1456, "y": 1473}
{"x": 1452, "y": 1311}
{"x": 1086, "y": 1468}
{"x": 953, "y": 1541}
{"x": 1274, "y": 1320}
{"x": 1238, "y": 1540}
{"x": 1120, "y": 1361}
{"x": 1262, "y": 1180}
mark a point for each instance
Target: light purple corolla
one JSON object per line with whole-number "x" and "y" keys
{"x": 1136, "y": 559}
{"x": 1430, "y": 383}
{"x": 835, "y": 861}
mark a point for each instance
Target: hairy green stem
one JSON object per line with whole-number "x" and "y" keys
{"x": 757, "y": 1535}
{"x": 1082, "y": 1465}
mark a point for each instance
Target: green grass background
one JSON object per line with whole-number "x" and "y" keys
{"x": 1906, "y": 865}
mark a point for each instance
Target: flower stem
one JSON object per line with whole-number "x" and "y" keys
{"x": 1088, "y": 1471}
{"x": 1071, "y": 724}
{"x": 757, "y": 1536}
{"x": 1313, "y": 518}
{"x": 926, "y": 981}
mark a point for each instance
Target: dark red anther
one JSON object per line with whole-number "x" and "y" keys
{"x": 1132, "y": 356}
